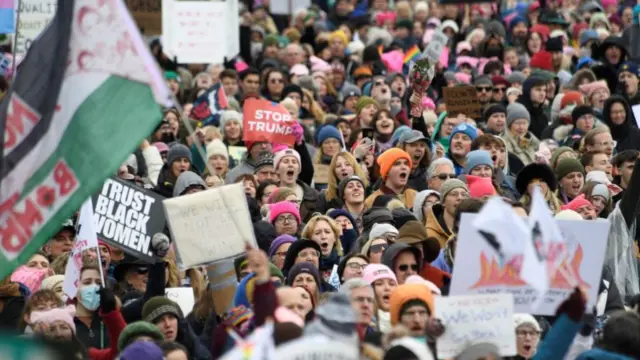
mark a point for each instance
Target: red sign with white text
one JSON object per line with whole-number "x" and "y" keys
{"x": 267, "y": 121}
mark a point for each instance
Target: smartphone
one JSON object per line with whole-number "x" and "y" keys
{"x": 368, "y": 133}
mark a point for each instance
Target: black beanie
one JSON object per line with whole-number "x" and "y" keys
{"x": 494, "y": 109}
{"x": 580, "y": 111}
{"x": 554, "y": 44}
{"x": 292, "y": 88}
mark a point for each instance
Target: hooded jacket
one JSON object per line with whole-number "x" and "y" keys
{"x": 436, "y": 226}
{"x": 418, "y": 204}
{"x": 246, "y": 166}
{"x": 186, "y": 180}
{"x": 539, "y": 120}
{"x": 389, "y": 255}
{"x": 626, "y": 135}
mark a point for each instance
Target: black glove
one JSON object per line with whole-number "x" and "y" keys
{"x": 588, "y": 323}
{"x": 107, "y": 300}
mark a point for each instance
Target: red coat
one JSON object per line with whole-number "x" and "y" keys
{"x": 435, "y": 275}
{"x": 115, "y": 324}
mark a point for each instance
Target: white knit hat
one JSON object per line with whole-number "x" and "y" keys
{"x": 520, "y": 319}
{"x": 217, "y": 147}
{"x": 229, "y": 115}
{"x": 380, "y": 229}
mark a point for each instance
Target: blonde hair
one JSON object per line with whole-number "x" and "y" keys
{"x": 211, "y": 133}
{"x": 551, "y": 198}
{"x": 196, "y": 279}
{"x": 589, "y": 137}
{"x": 291, "y": 106}
{"x": 337, "y": 230}
{"x": 332, "y": 184}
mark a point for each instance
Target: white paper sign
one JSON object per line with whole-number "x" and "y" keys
{"x": 635, "y": 109}
{"x": 434, "y": 48}
{"x": 317, "y": 347}
{"x": 183, "y": 296}
{"x": 210, "y": 225}
{"x": 474, "y": 319}
{"x": 201, "y": 31}
{"x": 86, "y": 239}
{"x": 34, "y": 16}
{"x": 478, "y": 269}
{"x": 287, "y": 7}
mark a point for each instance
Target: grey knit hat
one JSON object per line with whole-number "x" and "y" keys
{"x": 349, "y": 90}
{"x": 516, "y": 77}
{"x": 483, "y": 80}
{"x": 343, "y": 184}
{"x": 178, "y": 151}
{"x": 230, "y": 115}
{"x": 450, "y": 185}
{"x": 517, "y": 111}
{"x": 335, "y": 319}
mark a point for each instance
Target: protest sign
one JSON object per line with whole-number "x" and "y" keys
{"x": 473, "y": 319}
{"x": 34, "y": 16}
{"x": 462, "y": 100}
{"x": 85, "y": 239}
{"x": 147, "y": 14}
{"x": 267, "y": 121}
{"x": 317, "y": 347}
{"x": 183, "y": 296}
{"x": 208, "y": 107}
{"x": 259, "y": 345}
{"x": 210, "y": 225}
{"x": 200, "y": 31}
{"x": 127, "y": 216}
{"x": 435, "y": 47}
{"x": 287, "y": 7}
{"x": 237, "y": 152}
{"x": 479, "y": 269}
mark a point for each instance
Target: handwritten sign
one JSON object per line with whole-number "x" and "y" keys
{"x": 479, "y": 269}
{"x": 317, "y": 347}
{"x": 127, "y": 216}
{"x": 34, "y": 16}
{"x": 462, "y": 100}
{"x": 210, "y": 226}
{"x": 435, "y": 47}
{"x": 183, "y": 296}
{"x": 469, "y": 320}
{"x": 267, "y": 121}
{"x": 147, "y": 14}
{"x": 200, "y": 31}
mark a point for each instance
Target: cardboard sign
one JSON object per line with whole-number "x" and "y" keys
{"x": 200, "y": 31}
{"x": 462, "y": 100}
{"x": 317, "y": 347}
{"x": 209, "y": 106}
{"x": 435, "y": 47}
{"x": 210, "y": 226}
{"x": 147, "y": 14}
{"x": 479, "y": 269}
{"x": 127, "y": 216}
{"x": 183, "y": 296}
{"x": 267, "y": 121}
{"x": 34, "y": 16}
{"x": 470, "y": 320}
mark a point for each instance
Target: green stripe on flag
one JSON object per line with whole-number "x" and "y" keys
{"x": 104, "y": 130}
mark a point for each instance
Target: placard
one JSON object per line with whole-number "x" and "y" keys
{"x": 462, "y": 100}
{"x": 267, "y": 121}
{"x": 237, "y": 152}
{"x": 127, "y": 216}
{"x": 209, "y": 226}
{"x": 183, "y": 296}
{"x": 147, "y": 14}
{"x": 474, "y": 319}
{"x": 317, "y": 347}
{"x": 435, "y": 47}
{"x": 287, "y": 7}
{"x": 86, "y": 239}
{"x": 203, "y": 31}
{"x": 478, "y": 268}
{"x": 34, "y": 16}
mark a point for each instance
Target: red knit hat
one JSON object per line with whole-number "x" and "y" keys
{"x": 389, "y": 157}
{"x": 480, "y": 186}
{"x": 542, "y": 30}
{"x": 571, "y": 97}
{"x": 541, "y": 60}
{"x": 500, "y": 80}
{"x": 577, "y": 203}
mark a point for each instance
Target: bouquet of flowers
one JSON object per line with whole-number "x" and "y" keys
{"x": 420, "y": 77}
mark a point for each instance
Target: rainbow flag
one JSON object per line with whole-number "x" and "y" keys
{"x": 412, "y": 54}
{"x": 7, "y": 17}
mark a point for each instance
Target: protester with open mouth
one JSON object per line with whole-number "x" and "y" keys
{"x": 395, "y": 166}
{"x": 460, "y": 145}
{"x": 411, "y": 305}
{"x": 570, "y": 174}
{"x": 326, "y": 233}
{"x": 342, "y": 166}
{"x": 218, "y": 158}
{"x": 419, "y": 148}
{"x": 384, "y": 126}
{"x": 384, "y": 282}
{"x": 527, "y": 335}
{"x": 352, "y": 193}
{"x": 366, "y": 108}
{"x": 295, "y": 173}
{"x": 178, "y": 161}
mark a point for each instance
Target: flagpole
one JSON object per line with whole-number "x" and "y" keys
{"x": 15, "y": 40}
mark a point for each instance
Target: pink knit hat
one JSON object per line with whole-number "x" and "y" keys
{"x": 319, "y": 65}
{"x": 471, "y": 61}
{"x": 299, "y": 69}
{"x": 29, "y": 277}
{"x": 577, "y": 203}
{"x": 278, "y": 156}
{"x": 590, "y": 88}
{"x": 428, "y": 103}
{"x": 48, "y": 317}
{"x": 373, "y": 272}
{"x": 463, "y": 78}
{"x": 480, "y": 186}
{"x": 283, "y": 207}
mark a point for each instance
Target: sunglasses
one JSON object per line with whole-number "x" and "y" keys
{"x": 378, "y": 248}
{"x": 405, "y": 267}
{"x": 483, "y": 89}
{"x": 498, "y": 90}
{"x": 142, "y": 270}
{"x": 445, "y": 177}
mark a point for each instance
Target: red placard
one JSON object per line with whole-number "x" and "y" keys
{"x": 267, "y": 121}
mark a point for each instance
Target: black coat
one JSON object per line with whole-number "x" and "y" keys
{"x": 539, "y": 120}
{"x": 626, "y": 135}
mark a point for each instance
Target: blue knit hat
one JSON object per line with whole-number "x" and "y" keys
{"x": 397, "y": 133}
{"x": 630, "y": 67}
{"x": 327, "y": 132}
{"x": 587, "y": 35}
{"x": 477, "y": 157}
{"x": 466, "y": 129}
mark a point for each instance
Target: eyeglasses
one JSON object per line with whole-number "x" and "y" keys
{"x": 356, "y": 266}
{"x": 309, "y": 253}
{"x": 445, "y": 177}
{"x": 498, "y": 89}
{"x": 483, "y": 89}
{"x": 612, "y": 143}
{"x": 378, "y": 248}
{"x": 285, "y": 219}
{"x": 405, "y": 267}
{"x": 524, "y": 333}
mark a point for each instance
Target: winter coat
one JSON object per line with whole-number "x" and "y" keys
{"x": 407, "y": 196}
{"x": 436, "y": 227}
{"x": 418, "y": 179}
{"x": 132, "y": 311}
{"x": 309, "y": 199}
{"x": 627, "y": 135}
{"x": 114, "y": 322}
{"x": 539, "y": 120}
{"x": 246, "y": 166}
{"x": 154, "y": 163}
{"x": 96, "y": 335}
{"x": 524, "y": 149}
{"x": 557, "y": 342}
{"x": 165, "y": 186}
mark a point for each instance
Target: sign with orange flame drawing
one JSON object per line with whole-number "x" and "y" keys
{"x": 479, "y": 268}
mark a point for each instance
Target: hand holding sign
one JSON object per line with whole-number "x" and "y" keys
{"x": 268, "y": 121}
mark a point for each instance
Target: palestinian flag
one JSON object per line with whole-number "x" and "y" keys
{"x": 86, "y": 94}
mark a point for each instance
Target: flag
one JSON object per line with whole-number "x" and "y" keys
{"x": 86, "y": 239}
{"x": 412, "y": 54}
{"x": 86, "y": 94}
{"x": 7, "y": 17}
{"x": 209, "y": 106}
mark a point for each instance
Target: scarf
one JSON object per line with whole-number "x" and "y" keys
{"x": 327, "y": 262}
